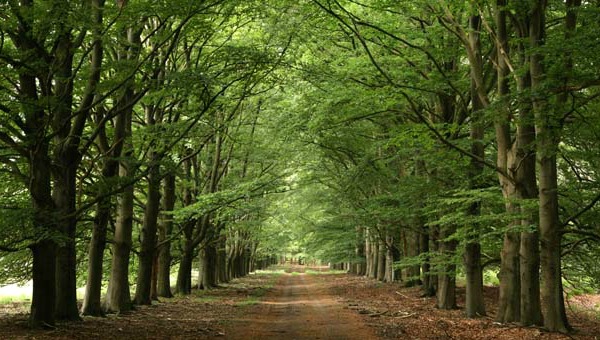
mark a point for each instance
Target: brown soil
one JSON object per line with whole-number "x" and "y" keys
{"x": 301, "y": 306}
{"x": 396, "y": 312}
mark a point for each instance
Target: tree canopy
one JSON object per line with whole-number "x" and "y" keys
{"x": 415, "y": 141}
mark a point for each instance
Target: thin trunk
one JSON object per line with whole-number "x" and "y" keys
{"x": 381, "y": 250}
{"x": 446, "y": 294}
{"x": 184, "y": 273}
{"x": 183, "y": 285}
{"x": 207, "y": 268}
{"x": 154, "y": 279}
{"x": 428, "y": 287}
{"x": 164, "y": 233}
{"x": 118, "y": 297}
{"x": 472, "y": 257}
{"x": 91, "y": 302}
{"x": 222, "y": 276}
{"x": 92, "y": 299}
{"x": 148, "y": 235}
{"x": 525, "y": 176}
{"x": 508, "y": 301}
{"x": 368, "y": 258}
{"x": 389, "y": 258}
{"x": 360, "y": 266}
{"x": 411, "y": 250}
{"x": 547, "y": 128}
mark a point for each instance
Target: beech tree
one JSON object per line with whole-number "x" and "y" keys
{"x": 418, "y": 142}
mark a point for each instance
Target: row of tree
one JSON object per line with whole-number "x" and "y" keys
{"x": 421, "y": 139}
{"x": 129, "y": 128}
{"x": 457, "y": 136}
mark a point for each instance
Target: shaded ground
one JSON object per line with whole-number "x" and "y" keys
{"x": 401, "y": 313}
{"x": 301, "y": 306}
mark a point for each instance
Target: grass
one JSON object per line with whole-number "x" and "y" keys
{"x": 273, "y": 271}
{"x": 328, "y": 272}
{"x": 249, "y": 301}
{"x": 6, "y": 299}
{"x": 15, "y": 293}
{"x": 206, "y": 299}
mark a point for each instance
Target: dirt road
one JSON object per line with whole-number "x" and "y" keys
{"x": 299, "y": 307}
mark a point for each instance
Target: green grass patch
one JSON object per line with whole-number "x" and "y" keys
{"x": 249, "y": 301}
{"x": 272, "y": 271}
{"x": 206, "y": 299}
{"x": 259, "y": 291}
{"x": 325, "y": 272}
{"x": 6, "y": 299}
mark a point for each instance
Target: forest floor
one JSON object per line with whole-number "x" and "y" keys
{"x": 302, "y": 305}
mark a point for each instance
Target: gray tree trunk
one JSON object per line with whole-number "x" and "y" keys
{"x": 164, "y": 233}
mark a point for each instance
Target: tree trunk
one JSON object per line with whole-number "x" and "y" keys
{"x": 154, "y": 279}
{"x": 222, "y": 276}
{"x": 446, "y": 295}
{"x": 474, "y": 304}
{"x": 368, "y": 255}
{"x": 43, "y": 302}
{"x": 64, "y": 195}
{"x": 411, "y": 250}
{"x": 380, "y": 260}
{"x": 360, "y": 265}
{"x": 428, "y": 280}
{"x": 184, "y": 274}
{"x": 92, "y": 304}
{"x": 548, "y": 136}
{"x": 118, "y": 296}
{"x": 526, "y": 188}
{"x": 374, "y": 255}
{"x": 389, "y": 258}
{"x": 91, "y": 301}
{"x": 149, "y": 229}
{"x": 164, "y": 233}
{"x": 65, "y": 161}
{"x": 207, "y": 267}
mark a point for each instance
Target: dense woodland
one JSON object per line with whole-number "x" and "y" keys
{"x": 402, "y": 140}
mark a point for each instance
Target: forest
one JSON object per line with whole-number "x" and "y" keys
{"x": 426, "y": 142}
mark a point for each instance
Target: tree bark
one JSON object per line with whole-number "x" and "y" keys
{"x": 389, "y": 258}
{"x": 360, "y": 265}
{"x": 118, "y": 296}
{"x": 474, "y": 304}
{"x": 149, "y": 229}
{"x": 91, "y": 302}
{"x": 380, "y": 253}
{"x": 183, "y": 285}
{"x": 43, "y": 302}
{"x": 164, "y": 233}
{"x": 428, "y": 280}
{"x": 207, "y": 278}
{"x": 411, "y": 250}
{"x": 446, "y": 294}
{"x": 547, "y": 129}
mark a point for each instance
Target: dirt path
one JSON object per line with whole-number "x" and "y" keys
{"x": 299, "y": 307}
